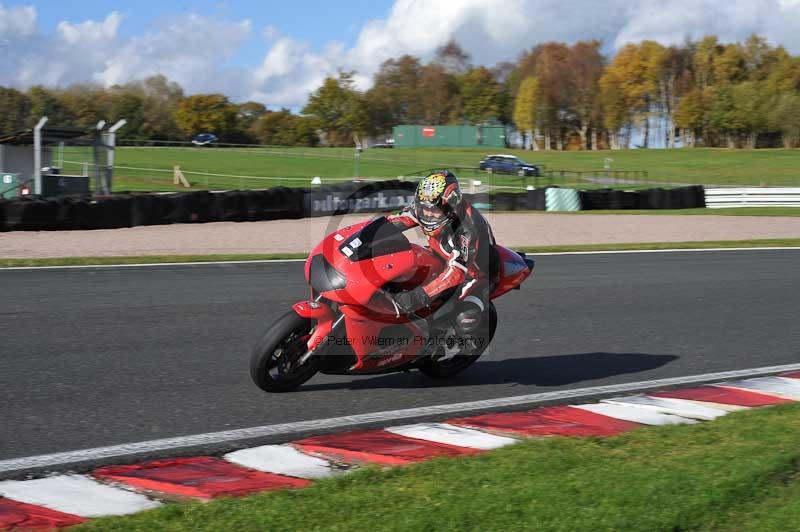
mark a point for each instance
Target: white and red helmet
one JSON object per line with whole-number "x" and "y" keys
{"x": 437, "y": 201}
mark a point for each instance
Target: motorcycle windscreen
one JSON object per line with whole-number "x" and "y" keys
{"x": 378, "y": 238}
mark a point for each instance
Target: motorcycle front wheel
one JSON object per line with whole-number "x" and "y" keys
{"x": 442, "y": 368}
{"x": 274, "y": 364}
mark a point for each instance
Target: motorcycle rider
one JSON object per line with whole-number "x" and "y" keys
{"x": 459, "y": 234}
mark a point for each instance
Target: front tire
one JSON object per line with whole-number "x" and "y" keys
{"x": 442, "y": 369}
{"x": 273, "y": 364}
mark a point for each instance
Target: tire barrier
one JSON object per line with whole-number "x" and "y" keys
{"x": 3, "y": 215}
{"x": 33, "y": 213}
{"x": 506, "y": 201}
{"x": 674, "y": 198}
{"x": 535, "y": 200}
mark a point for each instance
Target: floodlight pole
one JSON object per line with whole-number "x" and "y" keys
{"x": 37, "y": 155}
{"x": 111, "y": 145}
{"x": 99, "y": 182}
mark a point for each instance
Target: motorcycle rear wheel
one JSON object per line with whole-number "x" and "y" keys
{"x": 273, "y": 362}
{"x": 442, "y": 369}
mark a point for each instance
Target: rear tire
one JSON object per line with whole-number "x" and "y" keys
{"x": 444, "y": 369}
{"x": 271, "y": 364}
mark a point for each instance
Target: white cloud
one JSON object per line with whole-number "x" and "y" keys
{"x": 192, "y": 50}
{"x": 17, "y": 21}
{"x": 730, "y": 20}
{"x": 200, "y": 52}
{"x": 90, "y": 30}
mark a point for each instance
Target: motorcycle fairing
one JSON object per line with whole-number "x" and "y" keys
{"x": 378, "y": 345}
{"x": 514, "y": 269}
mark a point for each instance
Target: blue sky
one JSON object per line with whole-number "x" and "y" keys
{"x": 278, "y": 52}
{"x": 316, "y": 22}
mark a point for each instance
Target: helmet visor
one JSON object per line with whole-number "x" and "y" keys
{"x": 431, "y": 216}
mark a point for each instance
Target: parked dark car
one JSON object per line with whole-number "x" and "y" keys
{"x": 204, "y": 139}
{"x": 508, "y": 164}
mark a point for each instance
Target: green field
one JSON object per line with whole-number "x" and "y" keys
{"x": 740, "y": 472}
{"x": 148, "y": 168}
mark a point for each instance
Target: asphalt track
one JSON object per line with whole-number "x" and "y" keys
{"x": 103, "y": 356}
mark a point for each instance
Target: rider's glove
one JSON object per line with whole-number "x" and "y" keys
{"x": 412, "y": 300}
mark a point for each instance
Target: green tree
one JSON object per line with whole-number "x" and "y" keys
{"x": 504, "y": 74}
{"x": 637, "y": 67}
{"x": 750, "y": 103}
{"x": 785, "y": 117}
{"x": 674, "y": 80}
{"x": 452, "y": 58}
{"x": 44, "y": 102}
{"x": 704, "y": 54}
{"x": 692, "y": 115}
{"x": 525, "y": 109}
{"x": 395, "y": 97}
{"x": 439, "y": 98}
{"x": 127, "y": 102}
{"x": 282, "y": 128}
{"x": 549, "y": 64}
{"x": 14, "y": 109}
{"x": 617, "y": 108}
{"x": 248, "y": 113}
{"x": 586, "y": 65}
{"x": 206, "y": 113}
{"x": 85, "y": 105}
{"x": 161, "y": 98}
{"x": 480, "y": 95}
{"x": 339, "y": 110}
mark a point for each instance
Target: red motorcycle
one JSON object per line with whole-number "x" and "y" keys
{"x": 350, "y": 326}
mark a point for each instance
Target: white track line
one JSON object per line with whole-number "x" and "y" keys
{"x": 281, "y": 460}
{"x": 452, "y": 435}
{"x": 150, "y": 264}
{"x": 266, "y": 261}
{"x": 213, "y": 438}
{"x": 77, "y": 495}
{"x": 676, "y": 250}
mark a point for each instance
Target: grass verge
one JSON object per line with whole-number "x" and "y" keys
{"x": 728, "y": 474}
{"x": 732, "y": 211}
{"x": 159, "y": 259}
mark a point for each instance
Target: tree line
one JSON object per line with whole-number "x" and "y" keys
{"x": 558, "y": 96}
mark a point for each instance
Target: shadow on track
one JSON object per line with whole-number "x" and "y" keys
{"x": 537, "y": 371}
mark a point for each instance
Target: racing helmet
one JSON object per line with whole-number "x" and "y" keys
{"x": 436, "y": 202}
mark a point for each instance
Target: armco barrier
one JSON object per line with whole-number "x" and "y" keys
{"x": 717, "y": 198}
